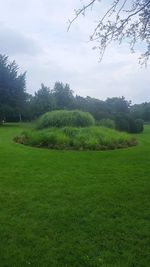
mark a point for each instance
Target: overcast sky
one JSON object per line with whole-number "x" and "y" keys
{"x": 34, "y": 33}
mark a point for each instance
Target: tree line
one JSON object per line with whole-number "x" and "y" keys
{"x": 18, "y": 105}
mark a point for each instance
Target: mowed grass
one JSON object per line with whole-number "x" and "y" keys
{"x": 73, "y": 208}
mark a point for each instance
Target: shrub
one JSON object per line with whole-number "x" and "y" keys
{"x": 88, "y": 138}
{"x": 62, "y": 118}
{"x": 107, "y": 123}
{"x": 124, "y": 122}
{"x": 139, "y": 125}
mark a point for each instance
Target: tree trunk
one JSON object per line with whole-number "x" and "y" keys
{"x": 20, "y": 118}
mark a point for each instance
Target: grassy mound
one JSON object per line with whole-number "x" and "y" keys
{"x": 88, "y": 138}
{"x": 62, "y": 118}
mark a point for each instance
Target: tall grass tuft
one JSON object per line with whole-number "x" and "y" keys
{"x": 107, "y": 123}
{"x": 88, "y": 138}
{"x": 62, "y": 118}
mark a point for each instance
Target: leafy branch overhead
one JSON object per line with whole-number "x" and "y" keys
{"x": 123, "y": 20}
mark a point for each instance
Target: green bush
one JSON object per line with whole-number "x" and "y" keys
{"x": 139, "y": 125}
{"x": 107, "y": 123}
{"x": 124, "y": 122}
{"x": 88, "y": 138}
{"x": 62, "y": 118}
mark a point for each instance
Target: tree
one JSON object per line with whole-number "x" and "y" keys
{"x": 12, "y": 90}
{"x": 41, "y": 102}
{"x": 123, "y": 20}
{"x": 63, "y": 96}
{"x": 118, "y": 104}
{"x": 125, "y": 122}
{"x": 141, "y": 111}
{"x": 96, "y": 107}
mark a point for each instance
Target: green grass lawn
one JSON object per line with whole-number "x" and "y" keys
{"x": 71, "y": 208}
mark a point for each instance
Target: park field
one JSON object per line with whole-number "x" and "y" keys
{"x": 73, "y": 208}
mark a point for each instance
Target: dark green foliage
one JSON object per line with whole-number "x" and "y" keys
{"x": 61, "y": 118}
{"x": 125, "y": 122}
{"x": 121, "y": 123}
{"x": 6, "y": 111}
{"x": 118, "y": 105}
{"x": 12, "y": 90}
{"x": 141, "y": 111}
{"x": 63, "y": 96}
{"x": 88, "y": 138}
{"x": 139, "y": 125}
{"x": 71, "y": 208}
{"x": 42, "y": 102}
{"x": 96, "y": 107}
{"x": 107, "y": 123}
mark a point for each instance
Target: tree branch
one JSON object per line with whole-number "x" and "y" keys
{"x": 79, "y": 12}
{"x": 116, "y": 26}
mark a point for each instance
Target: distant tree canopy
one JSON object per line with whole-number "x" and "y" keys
{"x": 141, "y": 111}
{"x": 63, "y": 95}
{"x": 118, "y": 104}
{"x": 12, "y": 90}
{"x": 46, "y": 99}
{"x": 15, "y": 103}
{"x": 123, "y": 20}
{"x": 41, "y": 102}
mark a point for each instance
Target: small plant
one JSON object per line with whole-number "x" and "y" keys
{"x": 62, "y": 118}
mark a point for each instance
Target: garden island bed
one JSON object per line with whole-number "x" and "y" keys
{"x": 73, "y": 130}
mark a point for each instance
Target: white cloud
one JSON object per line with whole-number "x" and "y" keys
{"x": 13, "y": 42}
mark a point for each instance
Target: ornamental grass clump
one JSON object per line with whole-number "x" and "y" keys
{"x": 62, "y": 118}
{"x": 77, "y": 138}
